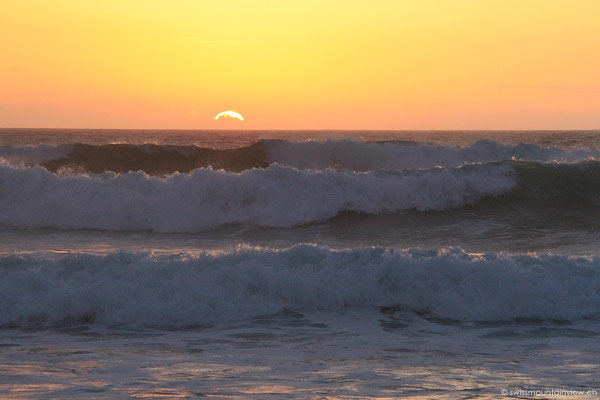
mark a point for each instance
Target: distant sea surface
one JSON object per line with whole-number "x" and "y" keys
{"x": 298, "y": 264}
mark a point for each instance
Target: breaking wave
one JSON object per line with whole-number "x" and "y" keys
{"x": 277, "y": 196}
{"x": 190, "y": 289}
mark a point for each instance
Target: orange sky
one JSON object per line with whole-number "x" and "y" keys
{"x": 311, "y": 64}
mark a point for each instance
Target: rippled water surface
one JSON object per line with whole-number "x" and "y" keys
{"x": 347, "y": 355}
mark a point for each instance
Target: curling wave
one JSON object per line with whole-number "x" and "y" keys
{"x": 33, "y": 197}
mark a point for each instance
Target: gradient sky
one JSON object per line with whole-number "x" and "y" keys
{"x": 310, "y": 64}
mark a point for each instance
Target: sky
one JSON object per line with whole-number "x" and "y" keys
{"x": 310, "y": 64}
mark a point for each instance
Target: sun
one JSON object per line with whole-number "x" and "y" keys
{"x": 229, "y": 114}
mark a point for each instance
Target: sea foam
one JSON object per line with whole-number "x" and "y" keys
{"x": 277, "y": 196}
{"x": 190, "y": 289}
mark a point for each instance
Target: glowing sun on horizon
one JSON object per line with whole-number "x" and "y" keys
{"x": 229, "y": 114}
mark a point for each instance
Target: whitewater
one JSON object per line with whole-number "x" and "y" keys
{"x": 350, "y": 264}
{"x": 275, "y": 196}
{"x": 193, "y": 289}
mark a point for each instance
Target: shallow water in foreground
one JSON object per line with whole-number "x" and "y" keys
{"x": 351, "y": 354}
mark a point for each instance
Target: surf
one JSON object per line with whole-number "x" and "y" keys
{"x": 186, "y": 289}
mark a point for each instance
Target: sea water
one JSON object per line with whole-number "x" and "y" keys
{"x": 299, "y": 264}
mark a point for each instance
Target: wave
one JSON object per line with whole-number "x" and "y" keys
{"x": 557, "y": 185}
{"x": 341, "y": 154}
{"x": 190, "y": 289}
{"x": 278, "y": 196}
{"x": 365, "y": 156}
{"x": 33, "y": 197}
{"x": 120, "y": 158}
{"x": 34, "y": 155}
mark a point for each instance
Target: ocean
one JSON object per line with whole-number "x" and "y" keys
{"x": 151, "y": 264}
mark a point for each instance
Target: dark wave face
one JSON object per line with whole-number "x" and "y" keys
{"x": 156, "y": 159}
{"x": 559, "y": 185}
{"x": 317, "y": 155}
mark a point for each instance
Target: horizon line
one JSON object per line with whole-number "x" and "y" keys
{"x": 311, "y": 129}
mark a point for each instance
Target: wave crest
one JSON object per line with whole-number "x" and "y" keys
{"x": 276, "y": 196}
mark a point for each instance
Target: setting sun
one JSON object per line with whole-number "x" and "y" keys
{"x": 229, "y": 114}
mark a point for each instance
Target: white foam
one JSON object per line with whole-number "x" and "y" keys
{"x": 186, "y": 289}
{"x": 24, "y": 155}
{"x": 276, "y": 196}
{"x": 362, "y": 156}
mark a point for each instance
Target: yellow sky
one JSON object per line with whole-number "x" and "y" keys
{"x": 310, "y": 64}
